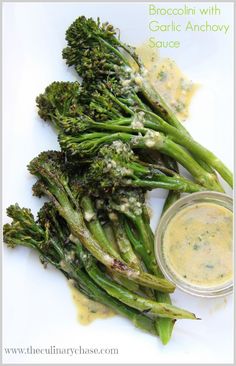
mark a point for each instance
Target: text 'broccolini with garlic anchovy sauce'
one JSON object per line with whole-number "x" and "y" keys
{"x": 119, "y": 138}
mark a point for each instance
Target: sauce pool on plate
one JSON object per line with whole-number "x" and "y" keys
{"x": 197, "y": 244}
{"x": 88, "y": 310}
{"x": 169, "y": 80}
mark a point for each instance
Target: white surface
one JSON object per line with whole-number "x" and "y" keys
{"x": 37, "y": 306}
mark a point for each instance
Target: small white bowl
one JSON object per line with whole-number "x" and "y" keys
{"x": 199, "y": 197}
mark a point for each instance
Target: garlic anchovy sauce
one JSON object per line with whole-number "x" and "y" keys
{"x": 167, "y": 78}
{"x": 88, "y": 310}
{"x": 197, "y": 244}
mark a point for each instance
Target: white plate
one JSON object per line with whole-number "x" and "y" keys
{"x": 38, "y": 310}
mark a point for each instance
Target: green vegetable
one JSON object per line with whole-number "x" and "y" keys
{"x": 98, "y": 55}
{"x": 81, "y": 134}
{"x": 54, "y": 183}
{"x": 48, "y": 238}
{"x": 119, "y": 139}
{"x": 116, "y": 165}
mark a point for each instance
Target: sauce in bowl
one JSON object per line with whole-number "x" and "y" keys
{"x": 194, "y": 244}
{"x": 197, "y": 244}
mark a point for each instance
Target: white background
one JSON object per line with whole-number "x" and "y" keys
{"x": 37, "y": 307}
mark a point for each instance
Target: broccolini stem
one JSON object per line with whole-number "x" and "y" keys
{"x": 194, "y": 147}
{"x": 166, "y": 113}
{"x": 95, "y": 227}
{"x": 159, "y": 105}
{"x": 97, "y": 231}
{"x": 163, "y": 325}
{"x": 170, "y": 183}
{"x": 170, "y": 148}
{"x": 138, "y": 245}
{"x": 123, "y": 281}
{"x": 172, "y": 197}
{"x": 147, "y": 243}
{"x": 123, "y": 242}
{"x": 108, "y": 230}
{"x": 115, "y": 50}
{"x": 123, "y": 106}
{"x": 101, "y": 126}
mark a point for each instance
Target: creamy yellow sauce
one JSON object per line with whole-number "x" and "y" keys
{"x": 88, "y": 310}
{"x": 168, "y": 80}
{"x": 197, "y": 244}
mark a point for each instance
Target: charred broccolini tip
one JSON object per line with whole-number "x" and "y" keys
{"x": 47, "y": 160}
{"x": 23, "y": 228}
{"x": 110, "y": 166}
{"x": 48, "y": 217}
{"x": 60, "y": 99}
{"x": 73, "y": 108}
{"x": 50, "y": 167}
{"x": 93, "y": 49}
{"x": 106, "y": 66}
{"x": 54, "y": 180}
{"x": 61, "y": 104}
{"x": 97, "y": 53}
{"x": 108, "y": 100}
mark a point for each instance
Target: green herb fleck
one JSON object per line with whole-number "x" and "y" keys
{"x": 179, "y": 107}
{"x": 162, "y": 76}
